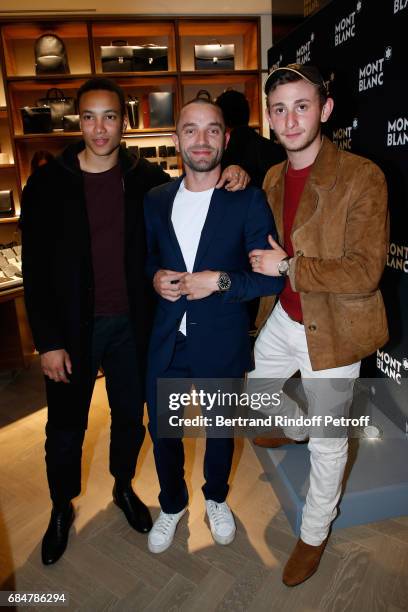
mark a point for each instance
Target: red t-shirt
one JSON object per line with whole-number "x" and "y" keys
{"x": 105, "y": 204}
{"x": 294, "y": 184}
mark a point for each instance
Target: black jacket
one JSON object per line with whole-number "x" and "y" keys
{"x": 252, "y": 152}
{"x": 57, "y": 259}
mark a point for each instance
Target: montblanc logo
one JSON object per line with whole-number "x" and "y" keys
{"x": 397, "y": 257}
{"x": 397, "y": 135}
{"x": 372, "y": 74}
{"x": 390, "y": 366}
{"x": 346, "y": 27}
{"x": 400, "y": 5}
{"x": 303, "y": 53}
{"x": 342, "y": 136}
{"x": 405, "y": 364}
{"x": 276, "y": 64}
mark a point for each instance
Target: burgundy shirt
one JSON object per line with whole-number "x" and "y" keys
{"x": 106, "y": 212}
{"x": 294, "y": 184}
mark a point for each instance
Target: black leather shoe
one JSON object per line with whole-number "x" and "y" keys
{"x": 56, "y": 537}
{"x": 137, "y": 514}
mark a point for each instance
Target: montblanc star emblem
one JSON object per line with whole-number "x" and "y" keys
{"x": 388, "y": 53}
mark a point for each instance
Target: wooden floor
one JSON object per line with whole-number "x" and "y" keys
{"x": 107, "y": 565}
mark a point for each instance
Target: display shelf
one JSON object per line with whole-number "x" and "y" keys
{"x": 19, "y": 40}
{"x": 6, "y": 158}
{"x": 245, "y": 82}
{"x": 28, "y": 92}
{"x": 83, "y": 38}
{"x": 9, "y": 219}
{"x": 9, "y": 180}
{"x": 50, "y": 78}
{"x": 49, "y": 135}
{"x": 137, "y": 33}
{"x": 243, "y": 34}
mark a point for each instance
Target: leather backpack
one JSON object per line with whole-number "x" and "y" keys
{"x": 50, "y": 55}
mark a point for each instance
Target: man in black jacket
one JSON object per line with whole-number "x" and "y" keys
{"x": 246, "y": 147}
{"x": 88, "y": 300}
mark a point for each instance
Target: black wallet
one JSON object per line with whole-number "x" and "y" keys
{"x": 147, "y": 152}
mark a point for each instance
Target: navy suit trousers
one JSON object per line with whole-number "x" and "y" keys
{"x": 169, "y": 452}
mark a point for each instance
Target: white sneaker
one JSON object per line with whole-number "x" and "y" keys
{"x": 162, "y": 533}
{"x": 221, "y": 521}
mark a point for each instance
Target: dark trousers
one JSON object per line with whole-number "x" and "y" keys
{"x": 169, "y": 452}
{"x": 113, "y": 348}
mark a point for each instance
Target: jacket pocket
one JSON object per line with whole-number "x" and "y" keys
{"x": 357, "y": 317}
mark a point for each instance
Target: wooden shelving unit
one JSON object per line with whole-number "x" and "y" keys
{"x": 83, "y": 39}
{"x": 20, "y": 86}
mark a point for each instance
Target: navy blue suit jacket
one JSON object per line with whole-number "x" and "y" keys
{"x": 217, "y": 326}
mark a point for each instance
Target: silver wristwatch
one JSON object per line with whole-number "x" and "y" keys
{"x": 283, "y": 266}
{"x": 224, "y": 282}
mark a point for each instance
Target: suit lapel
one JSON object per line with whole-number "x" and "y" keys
{"x": 169, "y": 194}
{"x": 213, "y": 223}
{"x": 307, "y": 206}
{"x": 275, "y": 198}
{"x": 323, "y": 175}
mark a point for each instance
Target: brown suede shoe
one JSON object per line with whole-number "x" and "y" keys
{"x": 302, "y": 563}
{"x": 276, "y": 442}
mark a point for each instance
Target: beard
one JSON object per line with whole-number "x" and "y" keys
{"x": 202, "y": 165}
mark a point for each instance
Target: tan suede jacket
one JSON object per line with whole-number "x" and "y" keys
{"x": 340, "y": 239}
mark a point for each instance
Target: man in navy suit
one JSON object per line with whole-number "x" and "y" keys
{"x": 198, "y": 243}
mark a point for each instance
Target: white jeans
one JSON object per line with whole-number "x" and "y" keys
{"x": 280, "y": 351}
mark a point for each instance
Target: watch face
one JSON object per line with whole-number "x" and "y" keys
{"x": 224, "y": 282}
{"x": 283, "y": 267}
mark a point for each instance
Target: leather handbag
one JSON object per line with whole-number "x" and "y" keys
{"x": 117, "y": 57}
{"x": 36, "y": 119}
{"x": 59, "y": 104}
{"x": 70, "y": 123}
{"x": 50, "y": 55}
{"x": 214, "y": 57}
{"x": 6, "y": 203}
{"x": 161, "y": 109}
{"x": 150, "y": 57}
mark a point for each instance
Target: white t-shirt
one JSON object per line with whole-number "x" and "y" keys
{"x": 189, "y": 213}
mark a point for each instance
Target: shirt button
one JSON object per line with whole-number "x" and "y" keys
{"x": 312, "y": 327}
{"x": 299, "y": 253}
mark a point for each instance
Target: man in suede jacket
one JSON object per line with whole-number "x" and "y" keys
{"x": 330, "y": 209}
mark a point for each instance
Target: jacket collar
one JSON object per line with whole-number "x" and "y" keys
{"x": 323, "y": 176}
{"x": 69, "y": 158}
{"x": 212, "y": 225}
{"x": 325, "y": 167}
